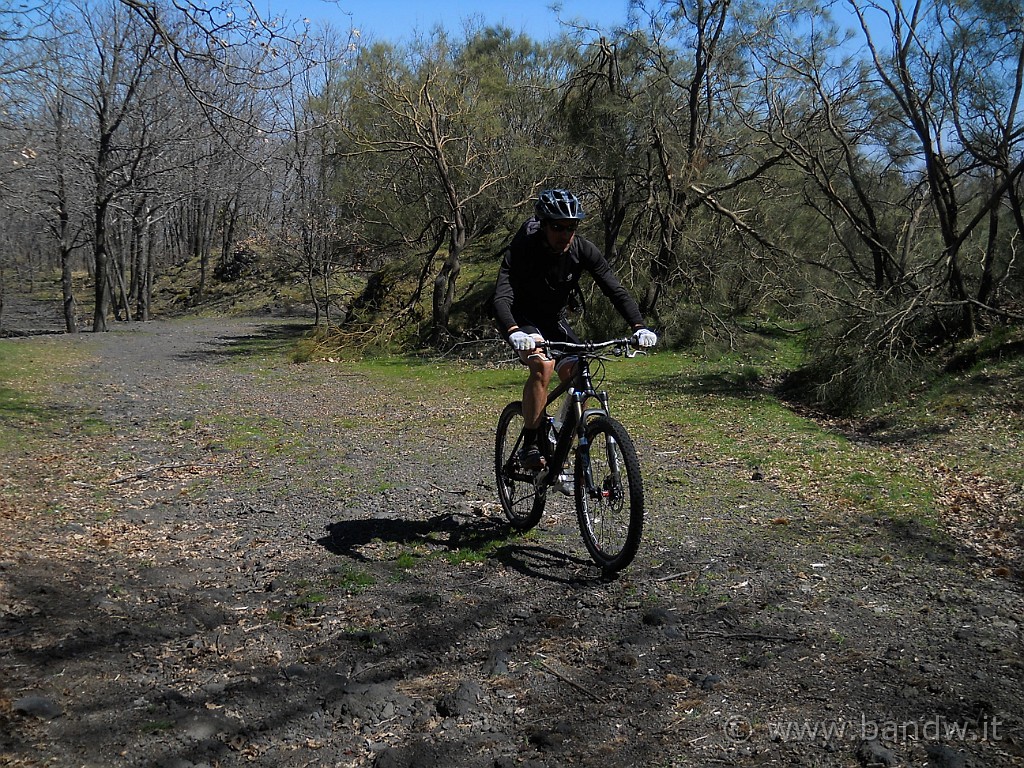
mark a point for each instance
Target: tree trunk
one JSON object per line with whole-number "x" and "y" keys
{"x": 444, "y": 283}
{"x": 67, "y": 292}
{"x": 101, "y": 262}
{"x": 987, "y": 283}
{"x": 146, "y": 284}
{"x": 203, "y": 245}
{"x": 311, "y": 287}
{"x": 123, "y": 305}
{"x": 67, "y": 289}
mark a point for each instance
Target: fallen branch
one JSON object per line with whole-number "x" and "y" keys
{"x": 566, "y": 679}
{"x": 691, "y": 633}
{"x": 161, "y": 467}
{"x": 456, "y": 491}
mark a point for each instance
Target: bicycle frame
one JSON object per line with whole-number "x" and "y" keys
{"x": 574, "y": 427}
{"x": 605, "y": 477}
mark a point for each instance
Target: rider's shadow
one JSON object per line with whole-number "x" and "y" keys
{"x": 453, "y": 532}
{"x": 450, "y": 531}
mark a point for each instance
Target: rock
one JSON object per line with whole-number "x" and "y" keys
{"x": 496, "y": 664}
{"x": 463, "y": 701}
{"x": 370, "y": 702}
{"x": 422, "y": 754}
{"x": 410, "y": 756}
{"x": 659, "y": 617}
{"x": 550, "y": 738}
{"x": 295, "y": 670}
{"x": 202, "y": 727}
{"x": 707, "y": 682}
{"x": 37, "y": 705}
{"x": 942, "y": 756}
{"x": 208, "y": 616}
{"x": 872, "y": 754}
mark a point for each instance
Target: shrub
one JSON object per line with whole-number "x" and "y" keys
{"x": 855, "y": 364}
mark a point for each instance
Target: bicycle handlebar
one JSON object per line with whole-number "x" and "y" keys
{"x": 625, "y": 346}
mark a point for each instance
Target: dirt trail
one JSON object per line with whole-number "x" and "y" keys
{"x": 291, "y": 565}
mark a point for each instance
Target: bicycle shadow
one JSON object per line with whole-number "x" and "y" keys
{"x": 457, "y": 532}
{"x": 546, "y": 564}
{"x": 451, "y": 531}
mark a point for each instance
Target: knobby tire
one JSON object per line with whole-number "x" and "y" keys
{"x": 520, "y": 501}
{"x": 611, "y": 522}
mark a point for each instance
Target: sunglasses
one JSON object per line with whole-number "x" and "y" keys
{"x": 562, "y": 227}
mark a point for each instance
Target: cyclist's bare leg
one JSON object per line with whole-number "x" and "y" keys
{"x": 566, "y": 370}
{"x": 535, "y": 391}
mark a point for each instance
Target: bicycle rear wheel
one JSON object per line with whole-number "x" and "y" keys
{"x": 609, "y": 495}
{"x": 521, "y": 502}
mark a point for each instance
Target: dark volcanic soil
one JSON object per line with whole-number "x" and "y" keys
{"x": 215, "y": 561}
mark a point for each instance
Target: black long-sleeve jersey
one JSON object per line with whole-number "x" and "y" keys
{"x": 534, "y": 286}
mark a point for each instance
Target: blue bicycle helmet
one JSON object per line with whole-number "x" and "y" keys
{"x": 558, "y": 204}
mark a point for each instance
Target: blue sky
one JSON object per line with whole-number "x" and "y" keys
{"x": 396, "y": 19}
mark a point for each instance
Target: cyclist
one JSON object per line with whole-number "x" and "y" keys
{"x": 540, "y": 271}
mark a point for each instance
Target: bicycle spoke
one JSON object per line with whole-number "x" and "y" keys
{"x": 606, "y": 480}
{"x": 520, "y": 501}
{"x": 609, "y": 505}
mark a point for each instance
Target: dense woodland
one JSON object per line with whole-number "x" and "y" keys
{"x": 848, "y": 170}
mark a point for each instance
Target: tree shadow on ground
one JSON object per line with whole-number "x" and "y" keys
{"x": 883, "y": 433}
{"x": 737, "y": 384}
{"x": 168, "y": 723}
{"x": 266, "y": 338}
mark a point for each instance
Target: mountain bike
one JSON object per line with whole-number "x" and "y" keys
{"x": 605, "y": 476}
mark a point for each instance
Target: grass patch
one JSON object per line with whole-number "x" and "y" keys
{"x": 975, "y": 417}
{"x": 25, "y": 417}
{"x": 476, "y": 548}
{"x": 310, "y": 594}
{"x": 406, "y": 560}
{"x": 266, "y": 435}
{"x": 470, "y": 556}
{"x": 157, "y": 726}
{"x": 708, "y": 409}
{"x": 349, "y": 579}
{"x": 722, "y": 409}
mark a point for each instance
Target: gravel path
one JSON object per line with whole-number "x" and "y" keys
{"x": 244, "y": 561}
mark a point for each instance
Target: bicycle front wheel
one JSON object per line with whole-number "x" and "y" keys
{"x": 521, "y": 502}
{"x": 609, "y": 495}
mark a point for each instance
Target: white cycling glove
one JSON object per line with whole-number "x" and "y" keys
{"x": 645, "y": 338}
{"x": 522, "y": 342}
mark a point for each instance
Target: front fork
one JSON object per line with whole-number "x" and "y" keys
{"x": 583, "y": 451}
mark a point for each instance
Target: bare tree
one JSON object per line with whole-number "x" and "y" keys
{"x": 66, "y": 221}
{"x": 439, "y": 115}
{"x": 985, "y": 54}
{"x": 313, "y": 227}
{"x": 933, "y": 69}
{"x": 689, "y": 152}
{"x": 111, "y": 63}
{"x": 21, "y": 28}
